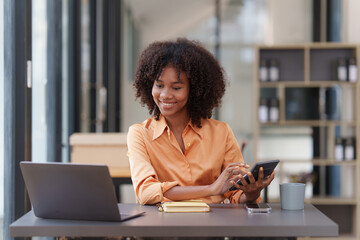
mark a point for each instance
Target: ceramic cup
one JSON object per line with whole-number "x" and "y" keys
{"x": 292, "y": 196}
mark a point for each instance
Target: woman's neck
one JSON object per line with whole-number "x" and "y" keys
{"x": 177, "y": 125}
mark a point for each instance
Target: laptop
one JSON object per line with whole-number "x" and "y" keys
{"x": 72, "y": 191}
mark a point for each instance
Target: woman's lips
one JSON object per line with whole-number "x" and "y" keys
{"x": 167, "y": 104}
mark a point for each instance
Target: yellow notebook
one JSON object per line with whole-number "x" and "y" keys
{"x": 184, "y": 206}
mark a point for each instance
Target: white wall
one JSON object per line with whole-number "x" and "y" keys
{"x": 350, "y": 21}
{"x": 289, "y": 21}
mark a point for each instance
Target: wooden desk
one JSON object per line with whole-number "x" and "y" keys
{"x": 223, "y": 220}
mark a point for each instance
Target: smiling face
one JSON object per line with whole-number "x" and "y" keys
{"x": 171, "y": 94}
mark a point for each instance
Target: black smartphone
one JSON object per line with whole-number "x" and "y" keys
{"x": 258, "y": 208}
{"x": 268, "y": 167}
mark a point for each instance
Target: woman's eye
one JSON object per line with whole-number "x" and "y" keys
{"x": 176, "y": 88}
{"x": 158, "y": 86}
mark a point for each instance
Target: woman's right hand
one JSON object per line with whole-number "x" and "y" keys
{"x": 222, "y": 183}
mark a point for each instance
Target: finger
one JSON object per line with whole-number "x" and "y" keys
{"x": 233, "y": 171}
{"x": 243, "y": 181}
{"x": 235, "y": 178}
{"x": 251, "y": 178}
{"x": 233, "y": 168}
{"x": 236, "y": 185}
{"x": 270, "y": 178}
{"x": 261, "y": 174}
{"x": 242, "y": 172}
{"x": 239, "y": 172}
{"x": 239, "y": 164}
{"x": 245, "y": 165}
{"x": 272, "y": 175}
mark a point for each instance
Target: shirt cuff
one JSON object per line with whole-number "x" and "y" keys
{"x": 234, "y": 196}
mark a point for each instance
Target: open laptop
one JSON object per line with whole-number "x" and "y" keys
{"x": 72, "y": 191}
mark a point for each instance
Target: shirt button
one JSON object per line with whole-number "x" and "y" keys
{"x": 188, "y": 144}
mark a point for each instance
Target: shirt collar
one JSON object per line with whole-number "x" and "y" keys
{"x": 196, "y": 129}
{"x": 161, "y": 126}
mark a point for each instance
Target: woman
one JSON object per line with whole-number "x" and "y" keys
{"x": 180, "y": 153}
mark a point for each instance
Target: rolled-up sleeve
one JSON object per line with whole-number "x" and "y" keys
{"x": 148, "y": 189}
{"x": 233, "y": 154}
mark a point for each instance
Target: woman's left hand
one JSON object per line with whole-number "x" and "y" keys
{"x": 252, "y": 190}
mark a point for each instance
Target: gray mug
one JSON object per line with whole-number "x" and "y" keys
{"x": 292, "y": 196}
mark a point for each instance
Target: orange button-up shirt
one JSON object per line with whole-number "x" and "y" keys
{"x": 158, "y": 164}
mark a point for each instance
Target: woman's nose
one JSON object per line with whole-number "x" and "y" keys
{"x": 165, "y": 94}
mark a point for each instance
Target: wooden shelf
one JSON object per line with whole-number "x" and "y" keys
{"x": 318, "y": 162}
{"x": 323, "y": 201}
{"x": 310, "y": 66}
{"x": 282, "y": 161}
{"x": 310, "y": 123}
{"x": 305, "y": 84}
{"x": 330, "y": 162}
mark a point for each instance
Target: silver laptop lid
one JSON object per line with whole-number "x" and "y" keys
{"x": 71, "y": 191}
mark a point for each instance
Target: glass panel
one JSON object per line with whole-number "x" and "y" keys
{"x": 85, "y": 122}
{"x": 39, "y": 46}
{"x": 65, "y": 83}
{"x": 1, "y": 117}
{"x": 242, "y": 26}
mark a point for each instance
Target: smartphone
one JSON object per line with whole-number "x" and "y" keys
{"x": 268, "y": 167}
{"x": 258, "y": 208}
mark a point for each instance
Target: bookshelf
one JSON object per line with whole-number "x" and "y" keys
{"x": 312, "y": 110}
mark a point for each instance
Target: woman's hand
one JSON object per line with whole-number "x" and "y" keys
{"x": 223, "y": 182}
{"x": 252, "y": 190}
{"x": 220, "y": 186}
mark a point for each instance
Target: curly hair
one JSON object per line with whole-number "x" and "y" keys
{"x": 206, "y": 76}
